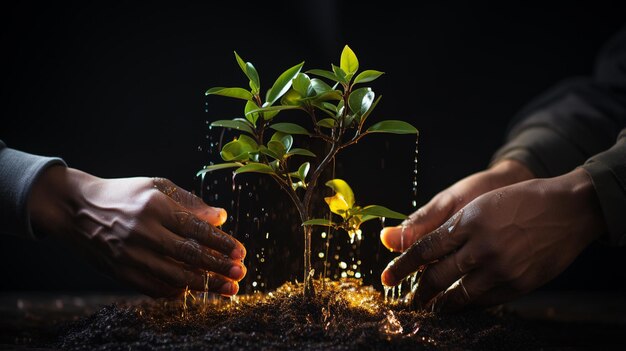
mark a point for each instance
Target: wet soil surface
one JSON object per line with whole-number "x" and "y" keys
{"x": 342, "y": 316}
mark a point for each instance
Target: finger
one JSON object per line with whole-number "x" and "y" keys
{"x": 195, "y": 255}
{"x": 463, "y": 293}
{"x": 145, "y": 283}
{"x": 431, "y": 247}
{"x": 179, "y": 275}
{"x": 213, "y": 215}
{"x": 438, "y": 276}
{"x": 421, "y": 222}
{"x": 185, "y": 224}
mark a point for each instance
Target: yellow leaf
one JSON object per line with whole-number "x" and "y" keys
{"x": 337, "y": 204}
{"x": 341, "y": 187}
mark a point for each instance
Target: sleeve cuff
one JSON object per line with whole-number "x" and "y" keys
{"x": 18, "y": 173}
{"x": 608, "y": 174}
{"x": 542, "y": 150}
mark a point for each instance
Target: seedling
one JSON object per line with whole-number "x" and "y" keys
{"x": 338, "y": 114}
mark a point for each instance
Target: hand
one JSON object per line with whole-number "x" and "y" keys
{"x": 452, "y": 199}
{"x": 503, "y": 244}
{"x": 145, "y": 232}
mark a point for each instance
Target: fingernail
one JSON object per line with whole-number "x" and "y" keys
{"x": 238, "y": 253}
{"x": 236, "y": 272}
{"x": 229, "y": 288}
{"x": 385, "y": 233}
{"x": 221, "y": 214}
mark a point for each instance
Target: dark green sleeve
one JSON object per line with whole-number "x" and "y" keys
{"x": 608, "y": 173}
{"x": 576, "y": 123}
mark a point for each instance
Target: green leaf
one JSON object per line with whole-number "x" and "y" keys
{"x": 277, "y": 148}
{"x": 340, "y": 74}
{"x": 320, "y": 86}
{"x": 299, "y": 151}
{"x": 302, "y": 84}
{"x": 369, "y": 111}
{"x": 319, "y": 221}
{"x": 340, "y": 108}
{"x": 325, "y": 96}
{"x": 327, "y": 123}
{"x": 265, "y": 151}
{"x": 349, "y": 63}
{"x": 324, "y": 73}
{"x": 291, "y": 98}
{"x": 282, "y": 83}
{"x": 367, "y": 76}
{"x": 252, "y": 117}
{"x": 379, "y": 211}
{"x": 250, "y": 72}
{"x": 320, "y": 106}
{"x": 239, "y": 149}
{"x": 285, "y": 139}
{"x": 392, "y": 126}
{"x": 255, "y": 167}
{"x": 239, "y": 93}
{"x": 303, "y": 170}
{"x": 212, "y": 168}
{"x": 289, "y": 128}
{"x": 329, "y": 106}
{"x": 360, "y": 100}
{"x": 234, "y": 124}
{"x": 343, "y": 199}
{"x": 271, "y": 109}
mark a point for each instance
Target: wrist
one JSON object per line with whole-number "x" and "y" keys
{"x": 55, "y": 198}
{"x": 509, "y": 171}
{"x": 579, "y": 187}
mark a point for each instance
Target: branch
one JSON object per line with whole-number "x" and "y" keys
{"x": 354, "y": 140}
{"x": 292, "y": 195}
{"x": 308, "y": 195}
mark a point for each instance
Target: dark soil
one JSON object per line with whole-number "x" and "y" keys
{"x": 343, "y": 316}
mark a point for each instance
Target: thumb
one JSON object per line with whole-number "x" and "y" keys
{"x": 421, "y": 222}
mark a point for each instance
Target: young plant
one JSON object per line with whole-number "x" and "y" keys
{"x": 342, "y": 204}
{"x": 338, "y": 114}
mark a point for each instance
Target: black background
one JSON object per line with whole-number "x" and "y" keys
{"x": 117, "y": 90}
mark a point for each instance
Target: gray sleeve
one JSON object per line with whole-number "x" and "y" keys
{"x": 577, "y": 123}
{"x": 18, "y": 172}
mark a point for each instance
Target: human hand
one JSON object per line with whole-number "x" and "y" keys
{"x": 145, "y": 232}
{"x": 450, "y": 200}
{"x": 504, "y": 243}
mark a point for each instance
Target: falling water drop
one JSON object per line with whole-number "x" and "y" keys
{"x": 414, "y": 183}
